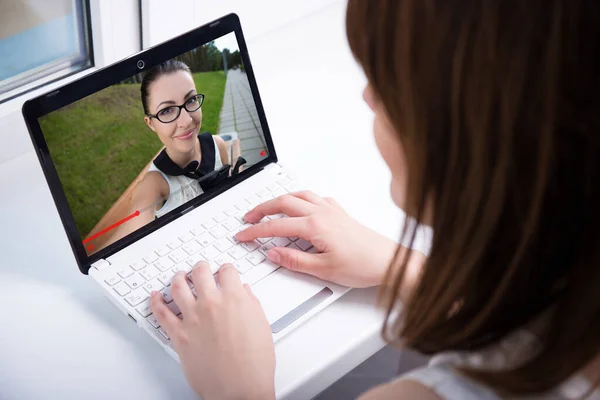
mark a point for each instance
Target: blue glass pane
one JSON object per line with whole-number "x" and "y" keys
{"x": 47, "y": 42}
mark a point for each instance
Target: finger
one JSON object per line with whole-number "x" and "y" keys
{"x": 333, "y": 203}
{"x": 309, "y": 196}
{"x": 287, "y": 204}
{"x": 203, "y": 279}
{"x": 164, "y": 315}
{"x": 181, "y": 292}
{"x": 229, "y": 278}
{"x": 296, "y": 260}
{"x": 282, "y": 227}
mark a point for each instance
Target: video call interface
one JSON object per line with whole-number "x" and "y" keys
{"x": 139, "y": 149}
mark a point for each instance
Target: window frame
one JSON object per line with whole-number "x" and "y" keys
{"x": 61, "y": 68}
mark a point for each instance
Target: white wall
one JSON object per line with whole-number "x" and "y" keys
{"x": 115, "y": 35}
{"x": 164, "y": 19}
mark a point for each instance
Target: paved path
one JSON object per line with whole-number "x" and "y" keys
{"x": 239, "y": 114}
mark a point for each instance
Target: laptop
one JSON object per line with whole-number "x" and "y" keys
{"x": 145, "y": 189}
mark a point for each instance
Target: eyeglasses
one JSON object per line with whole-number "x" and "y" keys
{"x": 171, "y": 113}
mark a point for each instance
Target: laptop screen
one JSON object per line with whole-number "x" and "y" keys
{"x": 137, "y": 150}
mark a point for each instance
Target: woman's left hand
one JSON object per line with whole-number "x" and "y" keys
{"x": 224, "y": 341}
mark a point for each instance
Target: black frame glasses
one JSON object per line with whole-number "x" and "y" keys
{"x": 165, "y": 118}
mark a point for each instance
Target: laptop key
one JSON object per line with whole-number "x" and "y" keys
{"x": 262, "y": 193}
{"x": 137, "y": 265}
{"x": 243, "y": 266}
{"x": 153, "y": 285}
{"x": 266, "y": 247}
{"x": 153, "y": 321}
{"x": 303, "y": 244}
{"x": 280, "y": 192}
{"x": 135, "y": 281}
{"x": 218, "y": 231}
{"x": 182, "y": 267}
{"x": 231, "y": 211}
{"x": 273, "y": 186}
{"x": 175, "y": 244}
{"x": 144, "y": 309}
{"x": 112, "y": 280}
{"x": 149, "y": 273}
{"x": 210, "y": 252}
{"x": 232, "y": 239}
{"x": 150, "y": 258}
{"x": 256, "y": 258}
{"x": 205, "y": 239}
{"x": 220, "y": 217}
{"x": 250, "y": 246}
{"x": 192, "y": 247}
{"x": 125, "y": 272}
{"x": 174, "y": 308}
{"x": 197, "y": 231}
{"x": 121, "y": 288}
{"x": 162, "y": 251}
{"x": 280, "y": 242}
{"x": 264, "y": 240}
{"x": 194, "y": 259}
{"x": 163, "y": 333}
{"x": 186, "y": 237}
{"x": 166, "y": 294}
{"x": 136, "y": 297}
{"x": 178, "y": 256}
{"x": 223, "y": 259}
{"x": 277, "y": 216}
{"x": 237, "y": 252}
{"x": 164, "y": 264}
{"x": 165, "y": 277}
{"x": 209, "y": 224}
{"x": 232, "y": 224}
{"x": 223, "y": 245}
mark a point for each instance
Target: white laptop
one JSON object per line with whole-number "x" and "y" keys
{"x": 94, "y": 148}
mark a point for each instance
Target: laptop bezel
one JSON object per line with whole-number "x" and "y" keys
{"x": 115, "y": 73}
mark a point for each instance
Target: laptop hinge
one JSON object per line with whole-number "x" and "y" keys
{"x": 101, "y": 264}
{"x": 273, "y": 166}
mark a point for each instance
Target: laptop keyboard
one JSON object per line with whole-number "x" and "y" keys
{"x": 212, "y": 241}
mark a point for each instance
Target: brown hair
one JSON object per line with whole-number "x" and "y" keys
{"x": 497, "y": 107}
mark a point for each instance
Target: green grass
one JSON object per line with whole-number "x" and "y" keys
{"x": 101, "y": 143}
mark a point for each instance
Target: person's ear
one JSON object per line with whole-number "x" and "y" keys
{"x": 149, "y": 121}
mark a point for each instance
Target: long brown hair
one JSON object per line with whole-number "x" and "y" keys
{"x": 497, "y": 106}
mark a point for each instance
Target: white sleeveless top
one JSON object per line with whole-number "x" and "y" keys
{"x": 445, "y": 382}
{"x": 181, "y": 188}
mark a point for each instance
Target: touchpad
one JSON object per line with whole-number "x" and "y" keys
{"x": 285, "y": 296}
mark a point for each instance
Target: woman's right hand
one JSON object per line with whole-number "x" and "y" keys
{"x": 349, "y": 253}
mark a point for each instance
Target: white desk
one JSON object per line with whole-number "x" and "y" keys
{"x": 61, "y": 339}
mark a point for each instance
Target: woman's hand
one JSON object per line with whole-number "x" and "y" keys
{"x": 224, "y": 341}
{"x": 350, "y": 254}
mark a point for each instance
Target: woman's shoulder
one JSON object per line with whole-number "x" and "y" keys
{"x": 400, "y": 389}
{"x": 432, "y": 382}
{"x": 152, "y": 183}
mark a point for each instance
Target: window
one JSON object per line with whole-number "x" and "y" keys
{"x": 42, "y": 41}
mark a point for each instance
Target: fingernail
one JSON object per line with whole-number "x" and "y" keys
{"x": 274, "y": 256}
{"x": 202, "y": 264}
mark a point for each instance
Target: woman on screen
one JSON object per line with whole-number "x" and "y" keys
{"x": 190, "y": 162}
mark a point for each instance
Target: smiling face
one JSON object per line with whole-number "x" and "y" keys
{"x": 171, "y": 89}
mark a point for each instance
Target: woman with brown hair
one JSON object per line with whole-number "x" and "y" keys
{"x": 488, "y": 116}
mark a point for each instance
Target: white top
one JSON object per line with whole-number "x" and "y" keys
{"x": 440, "y": 376}
{"x": 181, "y": 188}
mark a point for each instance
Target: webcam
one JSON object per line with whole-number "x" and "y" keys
{"x": 141, "y": 64}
